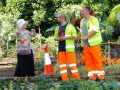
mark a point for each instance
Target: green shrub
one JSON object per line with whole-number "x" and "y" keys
{"x": 45, "y": 84}
{"x": 39, "y": 67}
{"x": 52, "y": 45}
{"x": 112, "y": 69}
{"x": 112, "y": 20}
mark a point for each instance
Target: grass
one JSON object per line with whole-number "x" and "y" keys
{"x": 110, "y": 71}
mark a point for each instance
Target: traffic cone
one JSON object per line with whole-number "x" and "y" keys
{"x": 48, "y": 68}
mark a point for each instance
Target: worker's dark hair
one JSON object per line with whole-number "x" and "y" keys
{"x": 88, "y": 8}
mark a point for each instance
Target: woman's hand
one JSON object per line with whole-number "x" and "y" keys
{"x": 33, "y": 32}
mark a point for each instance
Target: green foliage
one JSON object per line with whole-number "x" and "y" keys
{"x": 68, "y": 10}
{"x": 51, "y": 29}
{"x": 118, "y": 16}
{"x": 41, "y": 12}
{"x": 38, "y": 16}
{"x": 7, "y": 30}
{"x": 112, "y": 69}
{"x": 112, "y": 20}
{"x": 45, "y": 84}
{"x": 39, "y": 67}
{"x": 52, "y": 45}
{"x": 109, "y": 30}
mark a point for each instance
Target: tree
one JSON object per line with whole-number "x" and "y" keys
{"x": 41, "y": 12}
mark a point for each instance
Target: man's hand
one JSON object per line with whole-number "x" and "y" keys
{"x": 62, "y": 38}
{"x": 89, "y": 35}
{"x": 57, "y": 39}
{"x": 84, "y": 38}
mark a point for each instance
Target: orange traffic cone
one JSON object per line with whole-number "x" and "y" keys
{"x": 48, "y": 68}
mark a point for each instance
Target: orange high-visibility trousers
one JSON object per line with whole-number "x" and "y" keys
{"x": 69, "y": 58}
{"x": 93, "y": 61}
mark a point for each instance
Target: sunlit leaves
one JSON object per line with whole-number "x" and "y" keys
{"x": 118, "y": 16}
{"x": 109, "y": 30}
{"x": 38, "y": 16}
{"x": 68, "y": 10}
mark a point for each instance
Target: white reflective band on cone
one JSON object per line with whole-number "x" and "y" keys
{"x": 72, "y": 65}
{"x": 70, "y": 46}
{"x": 47, "y": 59}
{"x": 63, "y": 71}
{"x": 73, "y": 71}
{"x": 63, "y": 65}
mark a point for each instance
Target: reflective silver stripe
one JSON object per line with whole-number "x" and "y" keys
{"x": 67, "y": 35}
{"x": 63, "y": 71}
{"x": 90, "y": 30}
{"x": 70, "y": 46}
{"x": 56, "y": 49}
{"x": 95, "y": 72}
{"x": 95, "y": 39}
{"x": 95, "y": 27}
{"x": 73, "y": 71}
{"x": 100, "y": 74}
{"x": 70, "y": 28}
{"x": 90, "y": 74}
{"x": 72, "y": 65}
{"x": 63, "y": 65}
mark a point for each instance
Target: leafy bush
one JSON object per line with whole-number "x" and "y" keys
{"x": 45, "y": 84}
{"x": 112, "y": 69}
{"x": 52, "y": 45}
{"x": 39, "y": 67}
{"x": 112, "y": 20}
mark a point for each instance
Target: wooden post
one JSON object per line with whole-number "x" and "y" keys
{"x": 7, "y": 49}
{"x": 40, "y": 41}
{"x": 0, "y": 46}
{"x": 109, "y": 52}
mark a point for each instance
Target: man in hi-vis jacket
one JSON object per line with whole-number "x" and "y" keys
{"x": 91, "y": 39}
{"x": 65, "y": 35}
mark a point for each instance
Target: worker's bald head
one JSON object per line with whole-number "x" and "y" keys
{"x": 61, "y": 18}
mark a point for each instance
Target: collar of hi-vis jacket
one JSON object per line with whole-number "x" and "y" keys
{"x": 89, "y": 23}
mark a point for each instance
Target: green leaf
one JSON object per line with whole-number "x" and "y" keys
{"x": 118, "y": 16}
{"x": 109, "y": 30}
{"x": 51, "y": 29}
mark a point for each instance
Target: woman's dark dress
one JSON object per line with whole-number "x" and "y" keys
{"x": 25, "y": 65}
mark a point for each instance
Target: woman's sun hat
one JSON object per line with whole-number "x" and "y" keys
{"x": 21, "y": 22}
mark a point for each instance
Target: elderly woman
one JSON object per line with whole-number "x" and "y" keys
{"x": 25, "y": 60}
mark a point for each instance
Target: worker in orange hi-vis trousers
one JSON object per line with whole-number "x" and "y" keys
{"x": 90, "y": 40}
{"x": 65, "y": 35}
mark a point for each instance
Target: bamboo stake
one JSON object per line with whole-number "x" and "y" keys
{"x": 40, "y": 41}
{"x": 0, "y": 45}
{"x": 109, "y": 52}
